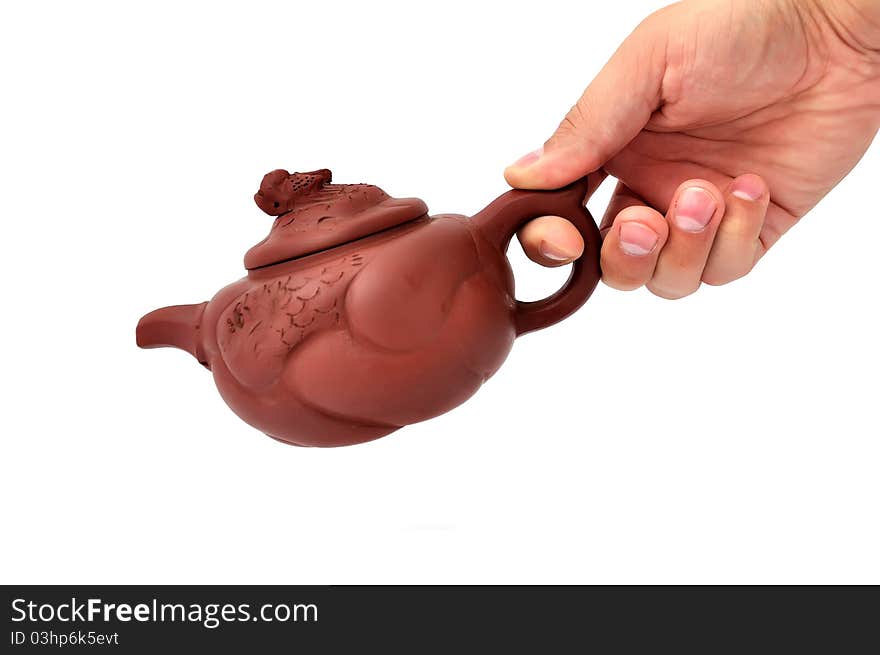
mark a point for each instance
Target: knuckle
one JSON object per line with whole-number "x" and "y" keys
{"x": 575, "y": 129}
{"x": 714, "y": 280}
{"x": 576, "y": 116}
{"x": 720, "y": 273}
{"x": 717, "y": 279}
{"x": 569, "y": 127}
{"x": 623, "y": 278}
{"x": 622, "y": 284}
{"x": 669, "y": 293}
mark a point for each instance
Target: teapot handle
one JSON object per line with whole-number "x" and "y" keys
{"x": 506, "y": 214}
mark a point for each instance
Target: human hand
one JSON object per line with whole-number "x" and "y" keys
{"x": 731, "y": 117}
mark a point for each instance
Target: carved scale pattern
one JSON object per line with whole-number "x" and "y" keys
{"x": 261, "y": 327}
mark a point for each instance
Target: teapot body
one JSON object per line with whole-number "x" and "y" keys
{"x": 361, "y": 314}
{"x": 352, "y": 343}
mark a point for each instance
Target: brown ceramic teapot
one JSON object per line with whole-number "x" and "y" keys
{"x": 361, "y": 314}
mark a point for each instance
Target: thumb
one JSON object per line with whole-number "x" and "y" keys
{"x": 610, "y": 113}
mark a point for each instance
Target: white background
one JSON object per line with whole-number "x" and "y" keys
{"x": 730, "y": 437}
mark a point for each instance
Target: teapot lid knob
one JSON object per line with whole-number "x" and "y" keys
{"x": 280, "y": 190}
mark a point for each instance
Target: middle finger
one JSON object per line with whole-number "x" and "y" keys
{"x": 693, "y": 217}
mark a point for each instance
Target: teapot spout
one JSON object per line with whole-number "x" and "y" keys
{"x": 178, "y": 326}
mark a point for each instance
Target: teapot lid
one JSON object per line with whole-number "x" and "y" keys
{"x": 314, "y": 215}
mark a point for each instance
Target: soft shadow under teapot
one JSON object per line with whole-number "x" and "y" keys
{"x": 360, "y": 313}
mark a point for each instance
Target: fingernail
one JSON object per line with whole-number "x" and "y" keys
{"x": 694, "y": 209}
{"x": 748, "y": 187}
{"x": 555, "y": 253}
{"x": 636, "y": 239}
{"x": 529, "y": 159}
